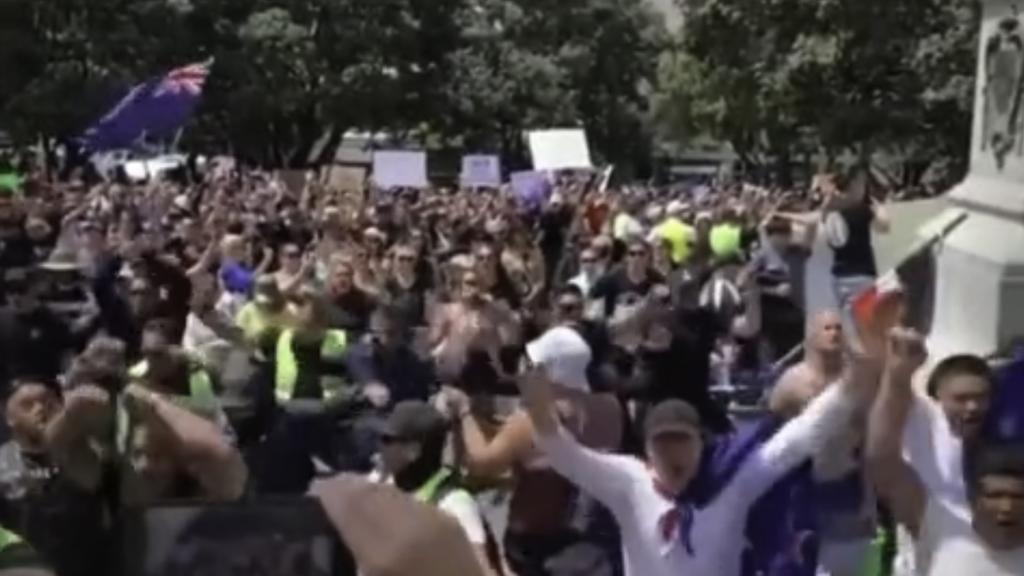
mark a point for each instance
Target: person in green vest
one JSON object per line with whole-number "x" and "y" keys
{"x": 726, "y": 240}
{"x": 157, "y": 351}
{"x": 267, "y": 310}
{"x": 412, "y": 440}
{"x": 307, "y": 367}
{"x": 680, "y": 235}
{"x": 170, "y": 371}
{"x": 309, "y": 359}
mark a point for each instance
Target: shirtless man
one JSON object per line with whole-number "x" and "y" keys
{"x": 823, "y": 363}
{"x": 847, "y": 520}
{"x": 544, "y": 512}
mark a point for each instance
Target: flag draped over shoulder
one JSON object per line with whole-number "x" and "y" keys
{"x": 156, "y": 109}
{"x": 781, "y": 529}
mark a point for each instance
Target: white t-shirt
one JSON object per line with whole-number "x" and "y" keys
{"x": 458, "y": 504}
{"x": 936, "y": 455}
{"x": 948, "y": 546}
{"x": 934, "y": 452}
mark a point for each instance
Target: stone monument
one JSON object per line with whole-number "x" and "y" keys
{"x": 979, "y": 301}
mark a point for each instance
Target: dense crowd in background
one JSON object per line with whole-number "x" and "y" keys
{"x": 230, "y": 337}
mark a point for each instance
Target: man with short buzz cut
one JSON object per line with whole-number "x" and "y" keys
{"x": 822, "y": 364}
{"x": 844, "y": 509}
{"x": 984, "y": 538}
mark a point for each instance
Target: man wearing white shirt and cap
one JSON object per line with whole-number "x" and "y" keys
{"x": 662, "y": 532}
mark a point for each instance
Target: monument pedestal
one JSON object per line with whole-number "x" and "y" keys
{"x": 979, "y": 300}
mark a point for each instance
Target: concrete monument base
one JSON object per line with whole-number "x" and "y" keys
{"x": 979, "y": 304}
{"x": 979, "y": 300}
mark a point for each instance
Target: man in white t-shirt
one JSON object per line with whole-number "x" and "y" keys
{"x": 959, "y": 395}
{"x": 985, "y": 538}
{"x": 412, "y": 445}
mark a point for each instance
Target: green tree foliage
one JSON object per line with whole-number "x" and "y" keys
{"x": 293, "y": 75}
{"x": 780, "y": 78}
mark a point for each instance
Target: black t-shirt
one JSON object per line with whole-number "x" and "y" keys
{"x": 307, "y": 358}
{"x": 411, "y": 302}
{"x": 62, "y": 522}
{"x": 617, "y": 288}
{"x": 848, "y": 232}
{"x": 553, "y": 225}
{"x": 351, "y": 312}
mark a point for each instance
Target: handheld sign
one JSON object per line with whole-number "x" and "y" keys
{"x": 530, "y": 187}
{"x": 559, "y": 149}
{"x": 481, "y": 170}
{"x": 398, "y": 168}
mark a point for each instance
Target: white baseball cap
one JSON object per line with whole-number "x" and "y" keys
{"x": 564, "y": 355}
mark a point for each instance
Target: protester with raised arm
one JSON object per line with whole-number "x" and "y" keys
{"x": 986, "y": 538}
{"x": 662, "y": 531}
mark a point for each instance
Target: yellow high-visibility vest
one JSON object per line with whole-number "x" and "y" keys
{"x": 286, "y": 368}
{"x": 680, "y": 237}
{"x": 200, "y": 387}
{"x": 726, "y": 240}
{"x": 429, "y": 491}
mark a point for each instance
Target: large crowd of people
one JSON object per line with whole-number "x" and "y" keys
{"x": 606, "y": 380}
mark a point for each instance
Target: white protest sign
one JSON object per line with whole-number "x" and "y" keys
{"x": 559, "y": 149}
{"x": 397, "y": 168}
{"x": 480, "y": 170}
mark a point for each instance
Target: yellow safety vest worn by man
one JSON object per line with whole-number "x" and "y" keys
{"x": 726, "y": 240}
{"x": 679, "y": 235}
{"x": 200, "y": 386}
{"x": 287, "y": 367}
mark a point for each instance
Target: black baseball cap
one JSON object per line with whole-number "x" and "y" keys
{"x": 414, "y": 421}
{"x": 671, "y": 417}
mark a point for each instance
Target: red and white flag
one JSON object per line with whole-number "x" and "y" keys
{"x": 905, "y": 293}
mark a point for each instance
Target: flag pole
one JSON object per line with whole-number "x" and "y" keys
{"x": 177, "y": 139}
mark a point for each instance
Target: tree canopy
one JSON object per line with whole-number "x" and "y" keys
{"x": 289, "y": 74}
{"x": 779, "y": 78}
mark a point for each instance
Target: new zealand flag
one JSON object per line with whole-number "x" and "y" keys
{"x": 155, "y": 109}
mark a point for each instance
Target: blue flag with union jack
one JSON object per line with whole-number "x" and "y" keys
{"x": 154, "y": 110}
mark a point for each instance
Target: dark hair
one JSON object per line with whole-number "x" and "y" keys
{"x": 959, "y": 365}
{"x": 1003, "y": 459}
{"x": 20, "y": 382}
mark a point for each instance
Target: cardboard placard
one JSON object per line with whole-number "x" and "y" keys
{"x": 530, "y": 187}
{"x": 400, "y": 168}
{"x": 560, "y": 149}
{"x": 481, "y": 170}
